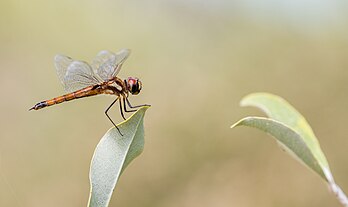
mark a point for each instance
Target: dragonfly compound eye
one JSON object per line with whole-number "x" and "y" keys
{"x": 134, "y": 86}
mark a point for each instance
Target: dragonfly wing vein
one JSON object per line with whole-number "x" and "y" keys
{"x": 107, "y": 64}
{"x": 79, "y": 75}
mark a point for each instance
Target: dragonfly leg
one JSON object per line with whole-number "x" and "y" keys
{"x": 133, "y": 107}
{"x": 124, "y": 106}
{"x": 121, "y": 110}
{"x": 106, "y": 113}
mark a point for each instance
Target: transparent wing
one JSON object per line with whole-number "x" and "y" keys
{"x": 61, "y": 63}
{"x": 107, "y": 64}
{"x": 74, "y": 74}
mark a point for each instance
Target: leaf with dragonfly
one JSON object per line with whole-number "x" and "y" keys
{"x": 112, "y": 155}
{"x": 293, "y": 133}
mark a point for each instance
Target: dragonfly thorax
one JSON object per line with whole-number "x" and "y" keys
{"x": 133, "y": 85}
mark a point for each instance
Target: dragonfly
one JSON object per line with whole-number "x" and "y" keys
{"x": 81, "y": 79}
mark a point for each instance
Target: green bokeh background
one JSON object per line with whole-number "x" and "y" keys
{"x": 196, "y": 60}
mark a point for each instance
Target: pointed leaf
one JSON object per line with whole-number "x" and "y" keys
{"x": 279, "y": 109}
{"x": 112, "y": 155}
{"x": 286, "y": 136}
{"x": 292, "y": 132}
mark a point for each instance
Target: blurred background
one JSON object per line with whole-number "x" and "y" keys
{"x": 196, "y": 59}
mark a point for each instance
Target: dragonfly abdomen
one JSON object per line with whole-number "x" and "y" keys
{"x": 88, "y": 91}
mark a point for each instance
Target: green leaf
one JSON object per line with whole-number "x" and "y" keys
{"x": 286, "y": 136}
{"x": 112, "y": 155}
{"x": 292, "y": 132}
{"x": 279, "y": 109}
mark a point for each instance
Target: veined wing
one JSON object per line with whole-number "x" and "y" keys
{"x": 62, "y": 62}
{"x": 74, "y": 74}
{"x": 107, "y": 64}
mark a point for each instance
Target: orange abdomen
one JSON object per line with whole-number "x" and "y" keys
{"x": 85, "y": 92}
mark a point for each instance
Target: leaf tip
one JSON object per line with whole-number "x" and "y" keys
{"x": 145, "y": 107}
{"x": 239, "y": 123}
{"x": 234, "y": 125}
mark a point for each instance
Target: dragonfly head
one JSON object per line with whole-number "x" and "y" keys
{"x": 133, "y": 85}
